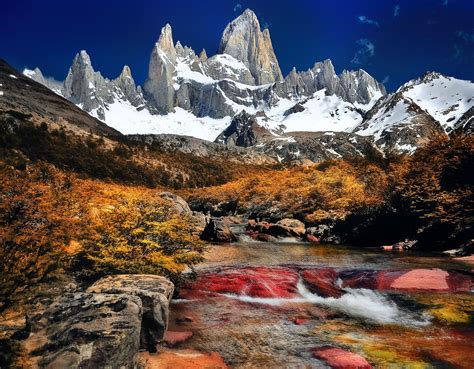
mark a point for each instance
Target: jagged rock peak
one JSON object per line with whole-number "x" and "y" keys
{"x": 203, "y": 55}
{"x": 126, "y": 72}
{"x": 244, "y": 40}
{"x": 165, "y": 41}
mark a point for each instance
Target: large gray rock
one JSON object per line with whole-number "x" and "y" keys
{"x": 85, "y": 330}
{"x": 217, "y": 230}
{"x": 244, "y": 40}
{"x": 155, "y": 293}
{"x": 179, "y": 205}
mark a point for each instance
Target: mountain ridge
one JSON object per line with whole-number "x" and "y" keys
{"x": 187, "y": 94}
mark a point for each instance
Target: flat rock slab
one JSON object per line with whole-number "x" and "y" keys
{"x": 255, "y": 282}
{"x": 338, "y": 358}
{"x": 189, "y": 359}
{"x": 173, "y": 338}
{"x": 155, "y": 293}
{"x": 85, "y": 330}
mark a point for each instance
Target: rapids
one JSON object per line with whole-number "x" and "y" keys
{"x": 296, "y": 305}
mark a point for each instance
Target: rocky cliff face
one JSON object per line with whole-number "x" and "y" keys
{"x": 159, "y": 85}
{"x": 94, "y": 93}
{"x": 243, "y": 131}
{"x": 244, "y": 40}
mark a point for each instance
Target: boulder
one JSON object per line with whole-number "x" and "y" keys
{"x": 217, "y": 231}
{"x": 338, "y": 358}
{"x": 179, "y": 205}
{"x": 85, "y": 330}
{"x": 292, "y": 227}
{"x": 283, "y": 228}
{"x": 155, "y": 293}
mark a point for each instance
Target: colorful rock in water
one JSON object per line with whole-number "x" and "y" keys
{"x": 338, "y": 358}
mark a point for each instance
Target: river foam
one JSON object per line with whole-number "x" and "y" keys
{"x": 356, "y": 302}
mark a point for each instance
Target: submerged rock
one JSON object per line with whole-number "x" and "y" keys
{"x": 338, "y": 358}
{"x": 262, "y": 282}
{"x": 322, "y": 282}
{"x": 189, "y": 359}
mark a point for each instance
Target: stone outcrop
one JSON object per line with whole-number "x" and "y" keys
{"x": 90, "y": 90}
{"x": 244, "y": 40}
{"x": 86, "y": 330}
{"x": 102, "y": 327}
{"x": 243, "y": 131}
{"x": 283, "y": 228}
{"x": 179, "y": 205}
{"x": 155, "y": 293}
{"x": 217, "y": 230}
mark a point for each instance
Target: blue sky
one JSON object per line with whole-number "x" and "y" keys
{"x": 393, "y": 40}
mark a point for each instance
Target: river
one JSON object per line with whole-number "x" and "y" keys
{"x": 284, "y": 305}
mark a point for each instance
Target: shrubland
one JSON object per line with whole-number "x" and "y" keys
{"x": 52, "y": 222}
{"x": 372, "y": 200}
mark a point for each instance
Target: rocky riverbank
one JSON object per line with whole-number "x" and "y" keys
{"x": 105, "y": 325}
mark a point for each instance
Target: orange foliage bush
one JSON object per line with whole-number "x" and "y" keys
{"x": 332, "y": 189}
{"x": 50, "y": 221}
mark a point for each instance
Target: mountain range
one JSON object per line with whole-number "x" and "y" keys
{"x": 239, "y": 98}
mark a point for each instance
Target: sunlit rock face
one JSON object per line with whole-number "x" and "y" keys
{"x": 244, "y": 40}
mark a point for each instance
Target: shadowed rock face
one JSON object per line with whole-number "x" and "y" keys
{"x": 244, "y": 40}
{"x": 85, "y": 330}
{"x": 104, "y": 326}
{"x": 243, "y": 131}
{"x": 155, "y": 293}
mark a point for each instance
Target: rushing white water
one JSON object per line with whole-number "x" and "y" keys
{"x": 356, "y": 302}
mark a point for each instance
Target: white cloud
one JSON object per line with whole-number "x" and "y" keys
{"x": 386, "y": 79}
{"x": 365, "y": 52}
{"x": 364, "y": 19}
{"x": 396, "y": 10}
{"x": 237, "y": 7}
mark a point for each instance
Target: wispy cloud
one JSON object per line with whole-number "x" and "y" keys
{"x": 364, "y": 19}
{"x": 365, "y": 52}
{"x": 386, "y": 79}
{"x": 396, "y": 10}
{"x": 467, "y": 37}
{"x": 445, "y": 2}
{"x": 237, "y": 7}
{"x": 463, "y": 49}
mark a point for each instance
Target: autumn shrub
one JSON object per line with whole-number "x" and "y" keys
{"x": 437, "y": 189}
{"x": 139, "y": 234}
{"x": 52, "y": 222}
{"x": 39, "y": 218}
